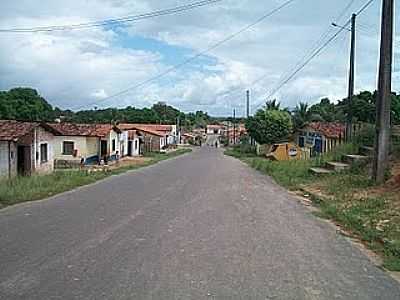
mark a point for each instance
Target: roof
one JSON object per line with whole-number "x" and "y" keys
{"x": 215, "y": 126}
{"x": 154, "y": 129}
{"x": 71, "y": 129}
{"x": 332, "y": 130}
{"x": 12, "y": 130}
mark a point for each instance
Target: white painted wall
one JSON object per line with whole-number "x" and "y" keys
{"x": 4, "y": 156}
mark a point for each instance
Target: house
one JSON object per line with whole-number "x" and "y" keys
{"x": 87, "y": 143}
{"x": 215, "y": 129}
{"x": 188, "y": 138}
{"x": 25, "y": 148}
{"x": 321, "y": 137}
{"x": 170, "y": 132}
{"x": 234, "y": 135}
{"x": 131, "y": 140}
{"x": 152, "y": 140}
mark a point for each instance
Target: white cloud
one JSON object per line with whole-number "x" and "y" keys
{"x": 78, "y": 67}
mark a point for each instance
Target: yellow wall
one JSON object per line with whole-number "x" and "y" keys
{"x": 86, "y": 146}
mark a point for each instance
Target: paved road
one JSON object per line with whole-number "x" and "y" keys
{"x": 201, "y": 226}
{"x": 212, "y": 139}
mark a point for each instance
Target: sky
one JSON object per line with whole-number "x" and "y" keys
{"x": 81, "y": 69}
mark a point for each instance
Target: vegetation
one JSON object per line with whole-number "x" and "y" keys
{"x": 26, "y": 104}
{"x": 21, "y": 189}
{"x": 349, "y": 198}
{"x": 269, "y": 125}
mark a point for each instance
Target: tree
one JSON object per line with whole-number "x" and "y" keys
{"x": 269, "y": 126}
{"x": 301, "y": 115}
{"x": 24, "y": 104}
{"x": 272, "y": 105}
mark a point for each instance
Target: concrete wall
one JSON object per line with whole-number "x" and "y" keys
{"x": 42, "y": 136}
{"x": 8, "y": 159}
{"x": 123, "y": 143}
{"x": 87, "y": 147}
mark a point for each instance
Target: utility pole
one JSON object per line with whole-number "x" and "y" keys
{"x": 234, "y": 126}
{"x": 247, "y": 104}
{"x": 382, "y": 139}
{"x": 349, "y": 124}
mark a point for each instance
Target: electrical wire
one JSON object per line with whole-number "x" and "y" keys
{"x": 316, "y": 53}
{"x": 107, "y": 22}
{"x": 190, "y": 59}
{"x": 307, "y": 53}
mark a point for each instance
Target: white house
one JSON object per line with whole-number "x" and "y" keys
{"x": 25, "y": 148}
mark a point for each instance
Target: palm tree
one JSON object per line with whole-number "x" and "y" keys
{"x": 302, "y": 115}
{"x": 272, "y": 105}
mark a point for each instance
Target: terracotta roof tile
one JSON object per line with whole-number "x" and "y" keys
{"x": 71, "y": 129}
{"x": 332, "y": 130}
{"x": 12, "y": 130}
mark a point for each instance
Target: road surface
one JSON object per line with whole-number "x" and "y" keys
{"x": 212, "y": 139}
{"x": 201, "y": 226}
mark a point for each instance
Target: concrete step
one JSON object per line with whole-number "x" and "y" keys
{"x": 337, "y": 166}
{"x": 367, "y": 151}
{"x": 320, "y": 171}
{"x": 356, "y": 159}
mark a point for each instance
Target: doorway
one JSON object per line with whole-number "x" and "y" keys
{"x": 24, "y": 160}
{"x": 103, "y": 148}
{"x": 129, "y": 148}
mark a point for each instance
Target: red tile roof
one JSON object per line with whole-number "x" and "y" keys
{"x": 12, "y": 130}
{"x": 332, "y": 130}
{"x": 71, "y": 129}
{"x": 154, "y": 129}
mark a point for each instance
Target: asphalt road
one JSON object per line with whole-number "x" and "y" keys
{"x": 201, "y": 226}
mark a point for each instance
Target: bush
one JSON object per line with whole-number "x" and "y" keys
{"x": 366, "y": 137}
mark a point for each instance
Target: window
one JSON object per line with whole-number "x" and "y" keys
{"x": 113, "y": 145}
{"x": 68, "y": 148}
{"x": 136, "y": 144}
{"x": 43, "y": 153}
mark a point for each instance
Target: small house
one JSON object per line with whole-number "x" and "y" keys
{"x": 87, "y": 143}
{"x": 130, "y": 140}
{"x": 26, "y": 148}
{"x": 321, "y": 137}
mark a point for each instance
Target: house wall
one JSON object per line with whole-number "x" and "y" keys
{"x": 42, "y": 136}
{"x": 135, "y": 146}
{"x": 87, "y": 147}
{"x": 152, "y": 143}
{"x": 113, "y": 135}
{"x": 123, "y": 143}
{"x": 8, "y": 159}
{"x": 92, "y": 147}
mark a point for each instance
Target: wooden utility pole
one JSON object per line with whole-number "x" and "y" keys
{"x": 382, "y": 139}
{"x": 234, "y": 126}
{"x": 349, "y": 123}
{"x": 247, "y": 104}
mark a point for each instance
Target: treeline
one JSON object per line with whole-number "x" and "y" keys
{"x": 27, "y": 104}
{"x": 273, "y": 124}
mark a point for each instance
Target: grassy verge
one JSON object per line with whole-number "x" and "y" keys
{"x": 370, "y": 213}
{"x": 21, "y": 189}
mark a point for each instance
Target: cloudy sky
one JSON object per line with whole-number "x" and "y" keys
{"x": 79, "y": 69}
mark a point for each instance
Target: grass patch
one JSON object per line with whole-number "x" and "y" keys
{"x": 21, "y": 189}
{"x": 349, "y": 198}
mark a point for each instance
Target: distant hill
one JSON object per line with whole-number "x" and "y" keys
{"x": 27, "y": 104}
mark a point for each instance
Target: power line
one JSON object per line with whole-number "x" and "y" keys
{"x": 199, "y": 54}
{"x": 307, "y": 53}
{"x": 316, "y": 53}
{"x": 365, "y": 7}
{"x": 122, "y": 20}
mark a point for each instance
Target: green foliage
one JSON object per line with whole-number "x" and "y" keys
{"x": 269, "y": 126}
{"x": 326, "y": 111}
{"x": 24, "y": 104}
